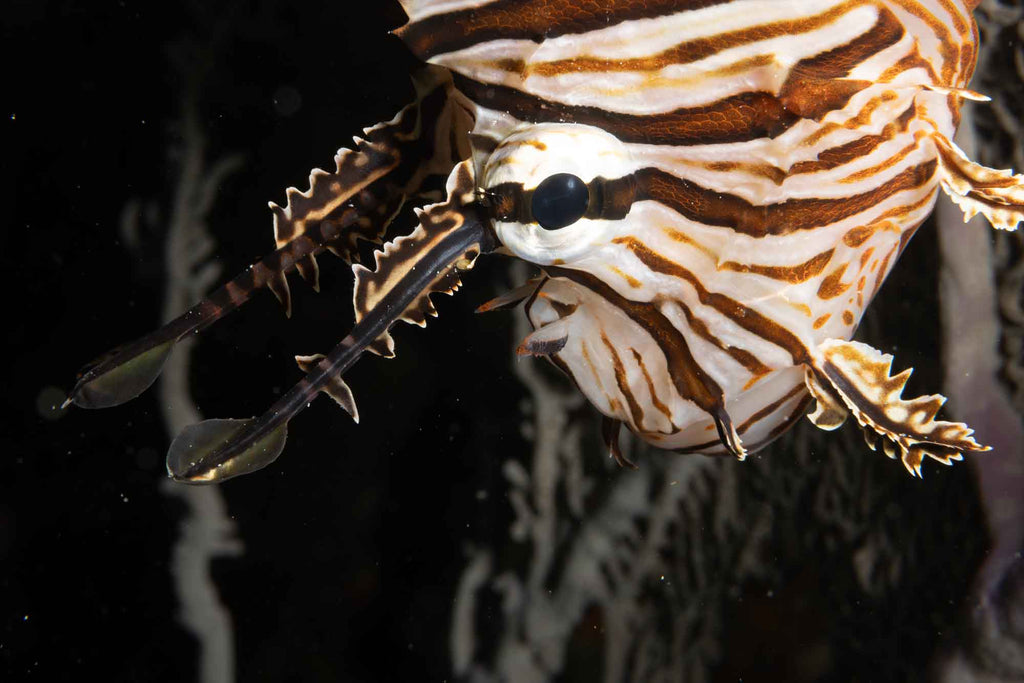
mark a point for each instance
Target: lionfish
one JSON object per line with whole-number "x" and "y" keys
{"x": 713, "y": 191}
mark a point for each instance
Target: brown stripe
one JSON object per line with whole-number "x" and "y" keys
{"x": 840, "y": 155}
{"x": 697, "y": 49}
{"x": 710, "y": 207}
{"x": 792, "y": 274}
{"x": 739, "y": 118}
{"x": 635, "y": 410}
{"x": 833, "y": 157}
{"x": 817, "y": 85}
{"x": 690, "y": 380}
{"x": 655, "y": 401}
{"x": 745, "y": 317}
{"x": 770, "y": 408}
{"x": 947, "y": 45}
{"x": 749, "y": 361}
{"x": 534, "y": 20}
{"x": 878, "y": 168}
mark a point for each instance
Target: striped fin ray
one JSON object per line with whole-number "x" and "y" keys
{"x": 384, "y": 168}
{"x": 356, "y": 202}
{"x": 450, "y": 237}
{"x": 855, "y": 376}
{"x": 127, "y": 371}
{"x": 402, "y": 256}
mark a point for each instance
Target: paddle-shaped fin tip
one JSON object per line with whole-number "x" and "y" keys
{"x": 192, "y": 457}
{"x": 123, "y": 382}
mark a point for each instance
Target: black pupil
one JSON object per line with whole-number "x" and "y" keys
{"x": 559, "y": 201}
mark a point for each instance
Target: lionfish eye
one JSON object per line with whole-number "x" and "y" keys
{"x": 559, "y": 201}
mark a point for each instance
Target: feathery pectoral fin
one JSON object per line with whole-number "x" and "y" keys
{"x": 998, "y": 194}
{"x": 858, "y": 376}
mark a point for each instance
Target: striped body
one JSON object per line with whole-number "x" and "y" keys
{"x": 781, "y": 155}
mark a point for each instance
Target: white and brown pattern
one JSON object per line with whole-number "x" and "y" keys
{"x": 752, "y": 169}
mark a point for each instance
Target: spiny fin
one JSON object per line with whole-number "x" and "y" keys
{"x": 610, "y": 428}
{"x": 336, "y": 388}
{"x": 997, "y": 194}
{"x": 329, "y": 194}
{"x": 361, "y": 179}
{"x": 403, "y": 255}
{"x": 547, "y": 340}
{"x": 511, "y": 298}
{"x": 309, "y": 269}
{"x": 860, "y": 376}
{"x": 278, "y": 284}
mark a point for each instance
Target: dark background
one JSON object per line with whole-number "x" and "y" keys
{"x": 355, "y": 538}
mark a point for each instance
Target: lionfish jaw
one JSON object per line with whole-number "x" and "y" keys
{"x": 448, "y": 239}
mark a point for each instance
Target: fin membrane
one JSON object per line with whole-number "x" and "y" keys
{"x": 195, "y": 443}
{"x": 124, "y": 382}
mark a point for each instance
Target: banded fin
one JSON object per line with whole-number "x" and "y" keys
{"x": 329, "y": 194}
{"x": 336, "y": 387}
{"x": 997, "y": 194}
{"x": 128, "y": 370}
{"x": 511, "y": 298}
{"x": 216, "y": 449}
{"x": 402, "y": 256}
{"x": 859, "y": 376}
{"x": 547, "y": 340}
{"x": 610, "y": 428}
{"x": 375, "y": 177}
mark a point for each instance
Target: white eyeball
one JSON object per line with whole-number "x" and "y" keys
{"x": 548, "y": 181}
